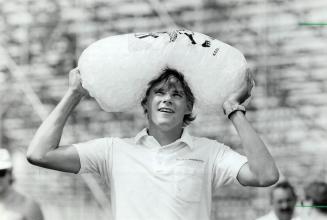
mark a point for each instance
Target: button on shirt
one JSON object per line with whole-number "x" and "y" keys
{"x": 149, "y": 181}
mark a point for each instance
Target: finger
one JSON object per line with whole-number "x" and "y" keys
{"x": 250, "y": 78}
{"x": 247, "y": 101}
{"x": 75, "y": 70}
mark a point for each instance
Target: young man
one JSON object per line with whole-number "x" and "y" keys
{"x": 163, "y": 172}
{"x": 283, "y": 199}
{"x": 13, "y": 205}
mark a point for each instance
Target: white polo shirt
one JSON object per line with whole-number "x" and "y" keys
{"x": 171, "y": 182}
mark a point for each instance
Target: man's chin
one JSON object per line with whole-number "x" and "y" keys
{"x": 165, "y": 121}
{"x": 285, "y": 215}
{"x": 167, "y": 125}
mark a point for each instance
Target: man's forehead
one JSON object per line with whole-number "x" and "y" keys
{"x": 282, "y": 193}
{"x": 170, "y": 83}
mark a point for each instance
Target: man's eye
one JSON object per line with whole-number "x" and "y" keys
{"x": 160, "y": 92}
{"x": 177, "y": 95}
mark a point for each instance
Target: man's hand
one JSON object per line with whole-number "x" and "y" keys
{"x": 75, "y": 82}
{"x": 243, "y": 93}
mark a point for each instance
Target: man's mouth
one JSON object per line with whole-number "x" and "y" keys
{"x": 285, "y": 210}
{"x": 166, "y": 110}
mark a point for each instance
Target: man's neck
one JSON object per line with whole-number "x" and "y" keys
{"x": 165, "y": 137}
{"x": 7, "y": 194}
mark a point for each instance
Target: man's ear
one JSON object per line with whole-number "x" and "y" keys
{"x": 144, "y": 104}
{"x": 11, "y": 178}
{"x": 189, "y": 110}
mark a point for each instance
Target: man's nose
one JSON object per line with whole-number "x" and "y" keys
{"x": 285, "y": 205}
{"x": 166, "y": 97}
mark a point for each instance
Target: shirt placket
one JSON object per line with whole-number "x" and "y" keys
{"x": 159, "y": 161}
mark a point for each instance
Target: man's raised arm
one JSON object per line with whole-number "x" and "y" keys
{"x": 260, "y": 169}
{"x": 44, "y": 148}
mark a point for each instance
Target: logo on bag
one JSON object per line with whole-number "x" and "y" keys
{"x": 215, "y": 51}
{"x": 173, "y": 35}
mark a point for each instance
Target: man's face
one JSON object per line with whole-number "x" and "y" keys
{"x": 5, "y": 178}
{"x": 167, "y": 105}
{"x": 283, "y": 202}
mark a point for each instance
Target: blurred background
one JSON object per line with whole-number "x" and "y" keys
{"x": 284, "y": 42}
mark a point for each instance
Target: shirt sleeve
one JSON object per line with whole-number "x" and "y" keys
{"x": 226, "y": 166}
{"x": 95, "y": 156}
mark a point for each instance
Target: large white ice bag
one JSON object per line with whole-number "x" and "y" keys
{"x": 116, "y": 69}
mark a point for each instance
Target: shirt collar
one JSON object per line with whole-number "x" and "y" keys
{"x": 186, "y": 137}
{"x": 141, "y": 135}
